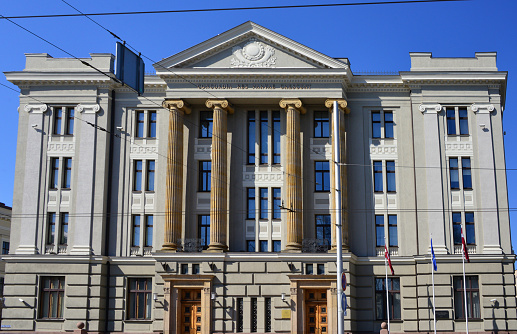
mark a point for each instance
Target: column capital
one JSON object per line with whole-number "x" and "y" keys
{"x": 430, "y": 108}
{"x": 176, "y": 104}
{"x": 223, "y": 104}
{"x": 88, "y": 108}
{"x": 35, "y": 108}
{"x": 295, "y": 103}
{"x": 482, "y": 108}
{"x": 341, "y": 104}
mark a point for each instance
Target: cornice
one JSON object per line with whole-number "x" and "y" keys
{"x": 58, "y": 78}
{"x": 440, "y": 78}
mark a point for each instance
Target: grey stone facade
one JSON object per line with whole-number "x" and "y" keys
{"x": 253, "y": 68}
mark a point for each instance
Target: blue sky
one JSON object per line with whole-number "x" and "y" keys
{"x": 372, "y": 37}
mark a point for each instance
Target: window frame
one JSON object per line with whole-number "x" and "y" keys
{"x": 59, "y": 292}
{"x": 264, "y": 137}
{"x": 277, "y": 202}
{"x": 63, "y": 228}
{"x": 51, "y": 228}
{"x": 392, "y": 293}
{"x": 206, "y": 123}
{"x": 275, "y": 137}
{"x": 152, "y": 125}
{"x": 203, "y": 227}
{"x": 459, "y": 297}
{"x": 322, "y": 173}
{"x": 139, "y": 124}
{"x": 252, "y": 132}
{"x": 132, "y": 312}
{"x": 69, "y": 121}
{"x": 138, "y": 171}
{"x": 251, "y": 205}
{"x": 150, "y": 175}
{"x": 391, "y": 186}
{"x": 205, "y": 176}
{"x": 263, "y": 203}
{"x": 66, "y": 182}
{"x": 457, "y": 121}
{"x": 378, "y": 184}
{"x": 319, "y": 124}
{"x": 136, "y": 228}
{"x": 5, "y": 247}
{"x": 148, "y": 231}
{"x": 323, "y": 226}
{"x": 54, "y": 173}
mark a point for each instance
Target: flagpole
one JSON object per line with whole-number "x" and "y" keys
{"x": 387, "y": 288}
{"x": 432, "y": 275}
{"x": 465, "y": 293}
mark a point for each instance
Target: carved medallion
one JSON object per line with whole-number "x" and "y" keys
{"x": 253, "y": 54}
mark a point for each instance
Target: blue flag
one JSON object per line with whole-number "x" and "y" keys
{"x": 434, "y": 257}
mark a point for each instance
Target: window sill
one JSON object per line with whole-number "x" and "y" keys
{"x": 51, "y": 319}
{"x": 139, "y": 321}
{"x": 470, "y": 320}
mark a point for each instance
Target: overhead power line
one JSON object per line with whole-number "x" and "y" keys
{"x": 228, "y": 9}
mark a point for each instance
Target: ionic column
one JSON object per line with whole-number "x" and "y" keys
{"x": 342, "y": 169}
{"x": 219, "y": 180}
{"x": 174, "y": 178}
{"x": 293, "y": 180}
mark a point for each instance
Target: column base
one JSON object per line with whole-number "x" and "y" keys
{"x": 343, "y": 249}
{"x": 292, "y": 248}
{"x": 216, "y": 248}
{"x": 169, "y": 248}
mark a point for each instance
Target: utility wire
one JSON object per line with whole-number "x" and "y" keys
{"x": 229, "y": 9}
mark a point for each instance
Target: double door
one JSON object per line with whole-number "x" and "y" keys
{"x": 190, "y": 312}
{"x": 316, "y": 312}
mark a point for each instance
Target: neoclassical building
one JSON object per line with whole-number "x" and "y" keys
{"x": 207, "y": 204}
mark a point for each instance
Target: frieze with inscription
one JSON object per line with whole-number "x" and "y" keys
{"x": 255, "y": 86}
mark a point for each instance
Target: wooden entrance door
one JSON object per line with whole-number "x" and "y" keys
{"x": 316, "y": 312}
{"x": 190, "y": 312}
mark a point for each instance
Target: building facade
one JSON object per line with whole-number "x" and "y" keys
{"x": 206, "y": 205}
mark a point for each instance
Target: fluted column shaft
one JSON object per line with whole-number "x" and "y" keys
{"x": 341, "y": 169}
{"x": 219, "y": 180}
{"x": 293, "y": 184}
{"x": 174, "y": 176}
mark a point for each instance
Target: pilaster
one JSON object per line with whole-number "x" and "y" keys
{"x": 435, "y": 206}
{"x": 342, "y": 107}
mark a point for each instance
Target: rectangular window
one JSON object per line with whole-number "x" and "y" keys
{"x": 321, "y": 124}
{"x": 472, "y": 290}
{"x": 204, "y": 230}
{"x": 240, "y": 315}
{"x": 322, "y": 176}
{"x": 250, "y": 245}
{"x": 451, "y": 121}
{"x": 392, "y": 231}
{"x": 376, "y": 124}
{"x": 393, "y": 298}
{"x": 253, "y": 315}
{"x": 309, "y": 269}
{"x": 390, "y": 176}
{"x": 466, "y": 173}
{"x": 149, "y": 182}
{"x": 377, "y": 176}
{"x": 67, "y": 172}
{"x": 136, "y": 231}
{"x": 379, "y": 230}
{"x": 470, "y": 231}
{"x": 137, "y": 178}
{"x": 205, "y": 175}
{"x": 277, "y": 246}
{"x": 54, "y": 173}
{"x": 139, "y": 133}
{"x": 464, "y": 121}
{"x": 63, "y": 231}
{"x": 58, "y": 119}
{"x": 51, "y": 229}
{"x": 195, "y": 269}
{"x": 184, "y": 268}
{"x": 320, "y": 269}
{"x": 263, "y": 203}
{"x": 277, "y": 203}
{"x": 251, "y": 203}
{"x": 251, "y": 137}
{"x": 454, "y": 173}
{"x": 456, "y": 227}
{"x": 149, "y": 224}
{"x": 5, "y": 247}
{"x": 267, "y": 316}
{"x": 206, "y": 121}
{"x": 263, "y": 246}
{"x": 388, "y": 124}
{"x": 151, "y": 130}
{"x": 263, "y": 136}
{"x": 140, "y": 298}
{"x": 323, "y": 229}
{"x": 276, "y": 136}
{"x": 70, "y": 117}
{"x": 52, "y": 297}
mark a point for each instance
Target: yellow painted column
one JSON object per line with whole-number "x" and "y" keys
{"x": 342, "y": 107}
{"x": 174, "y": 176}
{"x": 293, "y": 180}
{"x": 219, "y": 179}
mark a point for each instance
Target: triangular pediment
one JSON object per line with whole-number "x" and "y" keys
{"x": 249, "y": 45}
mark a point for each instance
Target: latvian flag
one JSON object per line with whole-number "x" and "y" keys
{"x": 465, "y": 252}
{"x": 387, "y": 256}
